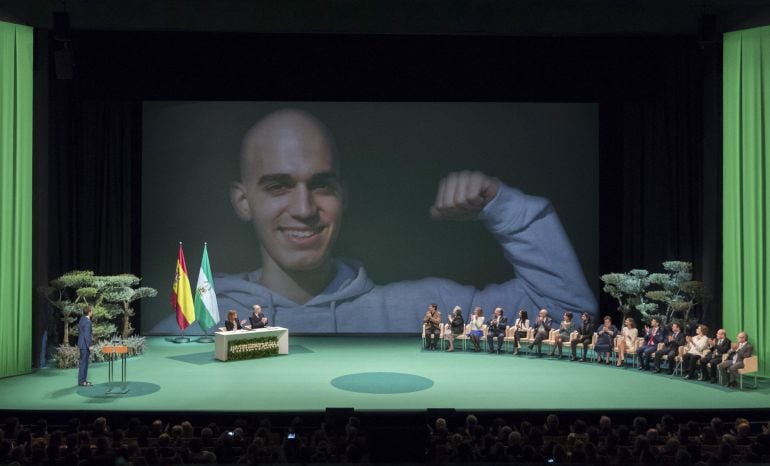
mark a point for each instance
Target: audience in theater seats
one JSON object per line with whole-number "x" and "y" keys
{"x": 697, "y": 347}
{"x": 627, "y": 342}
{"x": 521, "y": 326}
{"x": 487, "y": 438}
{"x": 670, "y": 348}
{"x": 728, "y": 369}
{"x": 542, "y": 326}
{"x": 585, "y": 334}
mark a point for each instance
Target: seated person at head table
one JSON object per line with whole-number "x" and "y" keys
{"x": 542, "y": 328}
{"x": 585, "y": 335}
{"x": 456, "y": 326}
{"x": 718, "y": 347}
{"x": 291, "y": 193}
{"x": 697, "y": 347}
{"x": 496, "y": 329}
{"x": 671, "y": 348}
{"x": 565, "y": 329}
{"x": 627, "y": 342}
{"x": 652, "y": 337}
{"x": 520, "y": 328}
{"x": 257, "y": 318}
{"x": 605, "y": 340}
{"x": 232, "y": 322}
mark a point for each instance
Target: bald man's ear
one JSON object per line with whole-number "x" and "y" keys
{"x": 239, "y": 201}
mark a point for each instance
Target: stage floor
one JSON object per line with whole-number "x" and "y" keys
{"x": 370, "y": 374}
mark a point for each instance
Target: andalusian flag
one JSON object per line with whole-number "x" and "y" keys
{"x": 181, "y": 297}
{"x": 206, "y": 309}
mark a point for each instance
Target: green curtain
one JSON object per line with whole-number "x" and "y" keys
{"x": 746, "y": 196}
{"x": 15, "y": 199}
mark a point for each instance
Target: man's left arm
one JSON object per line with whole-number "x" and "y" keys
{"x": 534, "y": 242}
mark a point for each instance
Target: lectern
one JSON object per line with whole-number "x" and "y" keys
{"x": 112, "y": 352}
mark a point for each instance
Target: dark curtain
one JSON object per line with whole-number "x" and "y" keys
{"x": 654, "y": 179}
{"x": 94, "y": 187}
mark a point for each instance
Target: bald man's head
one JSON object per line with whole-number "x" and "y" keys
{"x": 282, "y": 131}
{"x": 290, "y": 190}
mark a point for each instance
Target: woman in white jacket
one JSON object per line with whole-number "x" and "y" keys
{"x": 697, "y": 346}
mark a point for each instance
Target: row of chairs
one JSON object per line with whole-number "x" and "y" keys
{"x": 751, "y": 364}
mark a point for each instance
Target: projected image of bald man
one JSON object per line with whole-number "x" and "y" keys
{"x": 291, "y": 194}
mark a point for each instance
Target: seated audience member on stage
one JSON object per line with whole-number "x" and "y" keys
{"x": 585, "y": 336}
{"x": 698, "y": 346}
{"x": 496, "y": 329}
{"x": 232, "y": 322}
{"x": 719, "y": 347}
{"x": 605, "y": 340}
{"x": 257, "y": 318}
{"x": 627, "y": 341}
{"x": 652, "y": 337}
{"x": 432, "y": 323}
{"x": 456, "y": 326}
{"x": 477, "y": 328}
{"x": 291, "y": 193}
{"x": 542, "y": 329}
{"x": 728, "y": 369}
{"x": 671, "y": 348}
{"x": 565, "y": 328}
{"x": 521, "y": 326}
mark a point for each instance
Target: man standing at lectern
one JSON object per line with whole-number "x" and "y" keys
{"x": 85, "y": 345}
{"x": 291, "y": 193}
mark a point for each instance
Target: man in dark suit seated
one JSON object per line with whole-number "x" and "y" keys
{"x": 542, "y": 328}
{"x": 652, "y": 337}
{"x": 257, "y": 318}
{"x": 719, "y": 347}
{"x": 496, "y": 328}
{"x": 585, "y": 336}
{"x": 728, "y": 369}
{"x": 671, "y": 349}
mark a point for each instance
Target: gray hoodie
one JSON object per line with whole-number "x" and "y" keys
{"x": 548, "y": 275}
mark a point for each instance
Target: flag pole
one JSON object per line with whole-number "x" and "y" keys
{"x": 205, "y": 338}
{"x": 181, "y": 338}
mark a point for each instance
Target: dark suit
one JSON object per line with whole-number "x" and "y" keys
{"x": 85, "y": 342}
{"x": 670, "y": 350}
{"x": 496, "y": 329}
{"x": 714, "y": 357}
{"x": 542, "y": 330}
{"x": 256, "y": 321}
{"x": 729, "y": 368}
{"x": 585, "y": 336}
{"x": 651, "y": 341}
{"x": 232, "y": 326}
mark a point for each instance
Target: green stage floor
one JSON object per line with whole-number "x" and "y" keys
{"x": 370, "y": 374}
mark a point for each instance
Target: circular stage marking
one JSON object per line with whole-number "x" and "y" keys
{"x": 382, "y": 383}
{"x": 133, "y": 389}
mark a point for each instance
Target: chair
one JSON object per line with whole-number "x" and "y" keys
{"x": 629, "y": 351}
{"x": 463, "y": 336}
{"x": 509, "y": 339}
{"x": 440, "y": 336}
{"x": 574, "y": 336}
{"x": 750, "y": 366}
{"x": 678, "y": 360}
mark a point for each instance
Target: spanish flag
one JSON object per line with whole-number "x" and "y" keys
{"x": 181, "y": 296}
